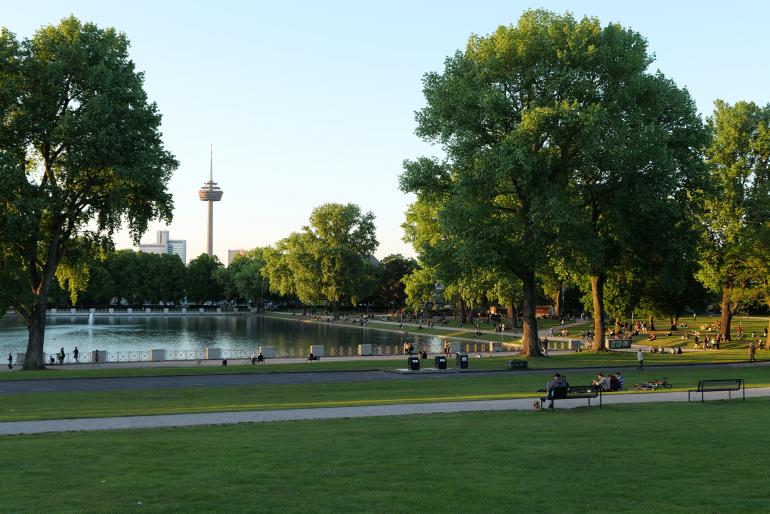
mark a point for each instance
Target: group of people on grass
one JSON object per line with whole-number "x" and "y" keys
{"x": 608, "y": 383}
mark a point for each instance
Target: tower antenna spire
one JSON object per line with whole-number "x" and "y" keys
{"x": 210, "y": 193}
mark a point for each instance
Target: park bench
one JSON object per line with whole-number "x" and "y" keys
{"x": 313, "y": 358}
{"x": 517, "y": 364}
{"x": 711, "y": 386}
{"x": 574, "y": 392}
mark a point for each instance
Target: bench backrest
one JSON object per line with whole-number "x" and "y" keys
{"x": 733, "y": 384}
{"x": 559, "y": 393}
{"x": 583, "y": 389}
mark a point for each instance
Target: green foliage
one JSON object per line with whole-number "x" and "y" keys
{"x": 737, "y": 211}
{"x": 554, "y": 132}
{"x": 243, "y": 278}
{"x": 136, "y": 276}
{"x": 329, "y": 260}
{"x": 420, "y": 288}
{"x": 80, "y": 153}
{"x": 201, "y": 279}
{"x": 390, "y": 289}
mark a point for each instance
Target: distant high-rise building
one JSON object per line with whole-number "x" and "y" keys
{"x": 232, "y": 254}
{"x": 210, "y": 193}
{"x": 165, "y": 245}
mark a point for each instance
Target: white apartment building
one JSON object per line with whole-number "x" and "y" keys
{"x": 232, "y": 254}
{"x": 165, "y": 245}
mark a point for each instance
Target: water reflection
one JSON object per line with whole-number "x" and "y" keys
{"x": 194, "y": 333}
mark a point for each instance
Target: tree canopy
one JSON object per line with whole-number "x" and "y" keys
{"x": 80, "y": 154}
{"x": 541, "y": 123}
{"x": 737, "y": 211}
{"x": 329, "y": 260}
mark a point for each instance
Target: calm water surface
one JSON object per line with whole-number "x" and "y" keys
{"x": 192, "y": 334}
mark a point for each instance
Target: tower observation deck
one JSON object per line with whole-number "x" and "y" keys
{"x": 210, "y": 192}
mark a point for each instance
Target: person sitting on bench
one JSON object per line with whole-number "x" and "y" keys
{"x": 550, "y": 386}
{"x": 602, "y": 382}
{"x": 310, "y": 357}
{"x": 260, "y": 358}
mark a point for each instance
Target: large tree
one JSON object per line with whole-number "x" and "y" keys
{"x": 329, "y": 260}
{"x": 515, "y": 113}
{"x": 201, "y": 279}
{"x": 390, "y": 289}
{"x": 736, "y": 213}
{"x": 244, "y": 277}
{"x": 80, "y": 153}
{"x": 636, "y": 187}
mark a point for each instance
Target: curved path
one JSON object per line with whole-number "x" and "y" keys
{"x": 229, "y": 418}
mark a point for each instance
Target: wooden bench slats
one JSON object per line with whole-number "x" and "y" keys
{"x": 716, "y": 385}
{"x": 576, "y": 392}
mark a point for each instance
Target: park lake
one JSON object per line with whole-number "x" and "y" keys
{"x": 129, "y": 338}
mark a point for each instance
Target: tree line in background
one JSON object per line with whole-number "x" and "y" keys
{"x": 569, "y": 170}
{"x": 328, "y": 263}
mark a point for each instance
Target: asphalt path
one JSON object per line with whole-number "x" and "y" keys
{"x": 228, "y": 418}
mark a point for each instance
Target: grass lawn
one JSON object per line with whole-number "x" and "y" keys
{"x": 641, "y": 458}
{"x": 55, "y": 405}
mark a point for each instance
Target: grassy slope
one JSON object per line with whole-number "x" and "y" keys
{"x": 650, "y": 458}
{"x": 52, "y": 405}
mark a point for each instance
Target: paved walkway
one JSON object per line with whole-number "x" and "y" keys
{"x": 229, "y": 418}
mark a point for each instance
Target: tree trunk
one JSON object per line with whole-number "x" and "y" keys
{"x": 597, "y": 291}
{"x": 559, "y": 300}
{"x": 336, "y": 310}
{"x": 651, "y": 323}
{"x": 530, "y": 343}
{"x": 510, "y": 320}
{"x": 463, "y": 312}
{"x": 727, "y": 313}
{"x": 34, "y": 358}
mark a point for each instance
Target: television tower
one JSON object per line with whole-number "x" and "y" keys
{"x": 210, "y": 193}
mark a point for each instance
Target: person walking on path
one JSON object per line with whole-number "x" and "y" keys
{"x": 639, "y": 359}
{"x": 76, "y": 355}
{"x": 10, "y": 360}
{"x": 60, "y": 356}
{"x": 752, "y": 352}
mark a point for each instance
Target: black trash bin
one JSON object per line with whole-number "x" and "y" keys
{"x": 413, "y": 363}
{"x": 439, "y": 362}
{"x": 462, "y": 360}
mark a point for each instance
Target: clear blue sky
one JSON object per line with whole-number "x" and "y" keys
{"x": 313, "y": 102}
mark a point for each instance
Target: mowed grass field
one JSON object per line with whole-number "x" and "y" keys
{"x": 638, "y": 458}
{"x": 131, "y": 402}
